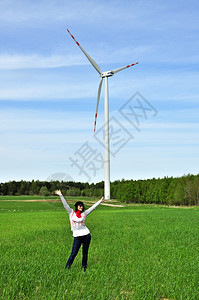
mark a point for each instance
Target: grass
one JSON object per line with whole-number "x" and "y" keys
{"x": 136, "y": 252}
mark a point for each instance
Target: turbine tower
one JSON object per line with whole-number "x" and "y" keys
{"x": 106, "y": 115}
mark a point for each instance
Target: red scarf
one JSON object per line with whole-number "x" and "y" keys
{"x": 78, "y": 213}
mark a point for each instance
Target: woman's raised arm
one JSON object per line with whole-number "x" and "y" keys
{"x": 90, "y": 209}
{"x": 65, "y": 204}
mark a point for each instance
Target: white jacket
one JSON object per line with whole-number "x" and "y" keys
{"x": 78, "y": 226}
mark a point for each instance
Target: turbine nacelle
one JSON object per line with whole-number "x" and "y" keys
{"x": 107, "y": 74}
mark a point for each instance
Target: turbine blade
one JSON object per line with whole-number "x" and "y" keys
{"x": 95, "y": 65}
{"x": 98, "y": 97}
{"x": 120, "y": 69}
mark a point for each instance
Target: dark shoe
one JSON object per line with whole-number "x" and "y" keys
{"x": 84, "y": 268}
{"x": 67, "y": 267}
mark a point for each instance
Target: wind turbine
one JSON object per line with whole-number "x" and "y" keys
{"x": 106, "y": 115}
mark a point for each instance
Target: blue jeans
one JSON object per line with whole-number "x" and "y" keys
{"x": 85, "y": 241}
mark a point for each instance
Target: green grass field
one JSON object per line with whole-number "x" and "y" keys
{"x": 136, "y": 252}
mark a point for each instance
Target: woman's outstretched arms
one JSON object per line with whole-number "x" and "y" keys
{"x": 90, "y": 209}
{"x": 65, "y": 204}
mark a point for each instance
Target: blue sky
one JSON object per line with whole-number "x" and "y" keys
{"x": 48, "y": 89}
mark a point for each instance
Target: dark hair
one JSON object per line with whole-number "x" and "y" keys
{"x": 79, "y": 203}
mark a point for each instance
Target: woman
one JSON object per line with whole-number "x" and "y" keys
{"x": 80, "y": 232}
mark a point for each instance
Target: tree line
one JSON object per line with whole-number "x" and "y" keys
{"x": 168, "y": 190}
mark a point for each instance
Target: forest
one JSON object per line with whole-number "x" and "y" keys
{"x": 182, "y": 190}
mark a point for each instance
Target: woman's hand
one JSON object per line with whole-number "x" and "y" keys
{"x": 102, "y": 199}
{"x": 58, "y": 192}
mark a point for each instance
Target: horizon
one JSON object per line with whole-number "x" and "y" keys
{"x": 122, "y": 179}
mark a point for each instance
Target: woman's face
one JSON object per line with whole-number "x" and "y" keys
{"x": 80, "y": 207}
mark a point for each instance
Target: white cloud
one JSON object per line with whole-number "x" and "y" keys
{"x": 136, "y": 14}
{"x": 51, "y": 11}
{"x": 38, "y": 122}
{"x": 34, "y": 61}
{"x": 83, "y": 82}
